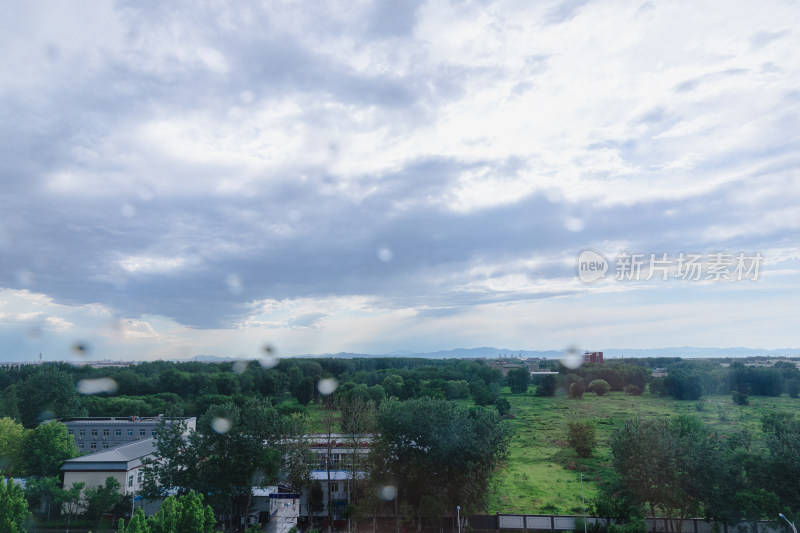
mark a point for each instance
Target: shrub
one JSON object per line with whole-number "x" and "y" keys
{"x": 636, "y": 525}
{"x": 633, "y": 390}
{"x": 576, "y": 390}
{"x": 739, "y": 398}
{"x": 582, "y": 437}
{"x": 599, "y": 387}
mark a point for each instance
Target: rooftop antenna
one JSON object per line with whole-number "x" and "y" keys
{"x": 40, "y": 358}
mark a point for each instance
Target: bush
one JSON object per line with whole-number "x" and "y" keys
{"x": 502, "y": 406}
{"x": 633, "y": 390}
{"x": 582, "y": 437}
{"x": 636, "y": 525}
{"x": 599, "y": 387}
{"x": 576, "y": 390}
{"x": 739, "y": 398}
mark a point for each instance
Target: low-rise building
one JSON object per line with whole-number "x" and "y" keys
{"x": 99, "y": 434}
{"x": 123, "y": 463}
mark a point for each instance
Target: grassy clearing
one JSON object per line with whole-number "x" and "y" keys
{"x": 542, "y": 474}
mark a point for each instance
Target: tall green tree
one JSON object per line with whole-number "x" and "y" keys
{"x": 438, "y": 454}
{"x": 518, "y": 379}
{"x": 582, "y": 437}
{"x": 11, "y": 434}
{"x": 137, "y": 524}
{"x": 47, "y": 394}
{"x": 46, "y": 447}
{"x": 101, "y": 499}
{"x": 44, "y": 493}
{"x": 13, "y": 507}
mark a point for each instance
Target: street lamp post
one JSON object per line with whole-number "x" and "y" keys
{"x": 458, "y": 517}
{"x": 787, "y": 521}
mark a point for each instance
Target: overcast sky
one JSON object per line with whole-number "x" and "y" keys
{"x": 190, "y": 178}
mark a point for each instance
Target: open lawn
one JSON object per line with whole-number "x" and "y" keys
{"x": 542, "y": 474}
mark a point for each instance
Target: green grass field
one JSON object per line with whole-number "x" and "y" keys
{"x": 542, "y": 474}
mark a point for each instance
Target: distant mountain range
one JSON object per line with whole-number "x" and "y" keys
{"x": 487, "y": 352}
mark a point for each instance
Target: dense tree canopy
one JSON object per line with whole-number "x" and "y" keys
{"x": 438, "y": 454}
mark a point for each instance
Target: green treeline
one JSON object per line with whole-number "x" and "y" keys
{"x": 678, "y": 468}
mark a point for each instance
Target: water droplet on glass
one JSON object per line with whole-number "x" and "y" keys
{"x": 385, "y": 254}
{"x": 269, "y": 358}
{"x": 574, "y": 224}
{"x": 221, "y": 425}
{"x": 81, "y": 348}
{"x": 240, "y": 366}
{"x": 25, "y": 278}
{"x": 47, "y": 415}
{"x": 97, "y": 386}
{"x": 387, "y": 493}
{"x": 327, "y": 386}
{"x": 234, "y": 284}
{"x": 128, "y": 211}
{"x": 572, "y": 358}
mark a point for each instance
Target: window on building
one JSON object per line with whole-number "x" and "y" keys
{"x": 142, "y": 432}
{"x": 335, "y": 457}
{"x": 130, "y": 480}
{"x": 94, "y": 433}
{"x": 71, "y": 432}
{"x": 83, "y": 432}
{"x": 105, "y": 445}
{"x": 80, "y": 446}
{"x": 93, "y": 445}
{"x": 106, "y": 432}
{"x": 130, "y": 432}
{"x": 118, "y": 432}
{"x": 334, "y": 487}
{"x": 139, "y": 476}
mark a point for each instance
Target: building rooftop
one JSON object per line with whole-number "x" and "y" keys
{"x": 121, "y": 458}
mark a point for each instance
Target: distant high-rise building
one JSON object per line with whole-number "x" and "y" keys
{"x": 593, "y": 357}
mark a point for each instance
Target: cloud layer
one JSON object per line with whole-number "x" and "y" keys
{"x": 374, "y": 176}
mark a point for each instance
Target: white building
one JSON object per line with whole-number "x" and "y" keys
{"x": 123, "y": 463}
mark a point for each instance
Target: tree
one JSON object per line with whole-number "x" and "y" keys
{"x": 437, "y": 454}
{"x": 46, "y": 447}
{"x": 547, "y": 385}
{"x": 137, "y": 524}
{"x": 358, "y": 420}
{"x": 11, "y": 435}
{"x": 502, "y": 406}
{"x": 518, "y": 379}
{"x": 72, "y": 501}
{"x": 100, "y": 500}
{"x": 47, "y": 394}
{"x": 582, "y": 437}
{"x": 599, "y": 387}
{"x": 644, "y": 456}
{"x": 576, "y": 390}
{"x": 13, "y": 507}
{"x": 184, "y": 514}
{"x": 675, "y": 466}
{"x": 44, "y": 492}
{"x": 232, "y": 450}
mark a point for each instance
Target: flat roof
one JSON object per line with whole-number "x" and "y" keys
{"x": 121, "y": 458}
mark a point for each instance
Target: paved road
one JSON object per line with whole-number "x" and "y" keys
{"x": 284, "y": 519}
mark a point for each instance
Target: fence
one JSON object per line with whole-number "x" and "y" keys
{"x": 567, "y": 523}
